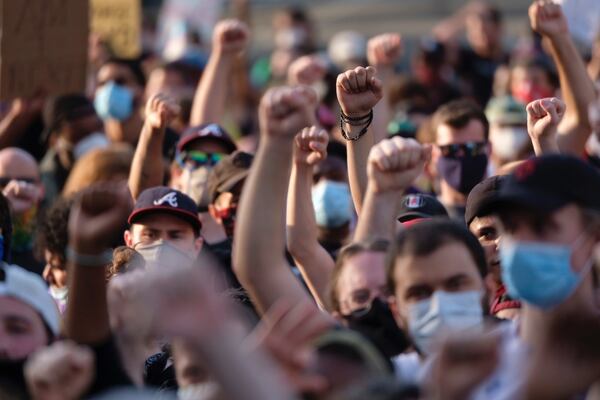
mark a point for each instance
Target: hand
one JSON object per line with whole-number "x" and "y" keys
{"x": 97, "y": 217}
{"x": 285, "y": 111}
{"x": 543, "y": 117}
{"x": 306, "y": 70}
{"x": 358, "y": 91}
{"x": 384, "y": 50}
{"x": 395, "y": 163}
{"x": 311, "y": 146}
{"x": 22, "y": 196}
{"x": 548, "y": 19}
{"x": 160, "y": 111}
{"x": 286, "y": 332}
{"x": 230, "y": 37}
{"x": 62, "y": 371}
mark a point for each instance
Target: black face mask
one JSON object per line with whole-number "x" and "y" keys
{"x": 12, "y": 379}
{"x": 463, "y": 173}
{"x": 378, "y": 325}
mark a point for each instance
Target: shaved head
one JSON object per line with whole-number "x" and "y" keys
{"x": 17, "y": 163}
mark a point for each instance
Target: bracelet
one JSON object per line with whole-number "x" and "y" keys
{"x": 89, "y": 260}
{"x": 358, "y": 121}
{"x": 362, "y": 132}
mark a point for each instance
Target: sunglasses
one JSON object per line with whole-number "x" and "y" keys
{"x": 197, "y": 159}
{"x": 469, "y": 149}
{"x": 4, "y": 180}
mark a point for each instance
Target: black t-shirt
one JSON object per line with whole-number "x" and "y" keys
{"x": 110, "y": 372}
{"x": 477, "y": 73}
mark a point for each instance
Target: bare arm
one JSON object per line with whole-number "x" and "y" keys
{"x": 311, "y": 258}
{"x": 577, "y": 87}
{"x": 259, "y": 243}
{"x": 230, "y": 38}
{"x": 147, "y": 166}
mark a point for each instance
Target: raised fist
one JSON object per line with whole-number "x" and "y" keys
{"x": 358, "y": 91}
{"x": 384, "y": 50}
{"x": 230, "y": 37}
{"x": 160, "y": 111}
{"x": 311, "y": 146}
{"x": 543, "y": 117}
{"x": 285, "y": 111}
{"x": 395, "y": 163}
{"x": 22, "y": 196}
{"x": 547, "y": 19}
{"x": 62, "y": 371}
{"x": 306, "y": 70}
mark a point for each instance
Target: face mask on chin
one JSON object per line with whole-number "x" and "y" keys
{"x": 162, "y": 254}
{"x": 377, "y": 323}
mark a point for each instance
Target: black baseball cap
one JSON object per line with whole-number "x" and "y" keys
{"x": 204, "y": 132}
{"x": 162, "y": 199}
{"x": 419, "y": 206}
{"x": 548, "y": 183}
{"x": 482, "y": 194}
{"x": 230, "y": 171}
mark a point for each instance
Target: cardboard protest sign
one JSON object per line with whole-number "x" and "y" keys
{"x": 119, "y": 23}
{"x": 43, "y": 46}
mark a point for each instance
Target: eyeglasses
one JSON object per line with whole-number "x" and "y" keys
{"x": 4, "y": 180}
{"x": 469, "y": 149}
{"x": 197, "y": 159}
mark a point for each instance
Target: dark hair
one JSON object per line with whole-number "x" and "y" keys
{"x": 428, "y": 236}
{"x": 134, "y": 65}
{"x": 458, "y": 114}
{"x": 53, "y": 234}
{"x": 352, "y": 249}
{"x": 6, "y": 226}
{"x": 541, "y": 62}
{"x": 190, "y": 74}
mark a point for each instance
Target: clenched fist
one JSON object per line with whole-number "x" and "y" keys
{"x": 548, "y": 19}
{"x": 230, "y": 37}
{"x": 306, "y": 70}
{"x": 384, "y": 50}
{"x": 395, "y": 163}
{"x": 285, "y": 111}
{"x": 160, "y": 111}
{"x": 22, "y": 196}
{"x": 358, "y": 91}
{"x": 543, "y": 117}
{"x": 311, "y": 146}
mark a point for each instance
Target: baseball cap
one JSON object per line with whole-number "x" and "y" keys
{"x": 506, "y": 110}
{"x": 548, "y": 183}
{"x": 229, "y": 172}
{"x": 484, "y": 192}
{"x": 162, "y": 199}
{"x": 418, "y": 206}
{"x": 205, "y": 132}
{"x": 30, "y": 288}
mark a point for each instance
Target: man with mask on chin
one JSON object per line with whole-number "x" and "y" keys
{"x": 29, "y": 321}
{"x": 164, "y": 228}
{"x": 461, "y": 151}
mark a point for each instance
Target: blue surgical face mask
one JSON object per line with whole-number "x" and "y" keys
{"x": 443, "y": 312}
{"x": 332, "y": 203}
{"x": 540, "y": 273}
{"x": 114, "y": 101}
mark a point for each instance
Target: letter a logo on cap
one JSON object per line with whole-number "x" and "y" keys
{"x": 170, "y": 198}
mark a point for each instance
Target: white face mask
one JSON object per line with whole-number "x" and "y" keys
{"x": 162, "y": 254}
{"x": 195, "y": 184}
{"x": 92, "y": 141}
{"x": 508, "y": 142}
{"x": 198, "y": 391}
{"x": 60, "y": 296}
{"x": 442, "y": 313}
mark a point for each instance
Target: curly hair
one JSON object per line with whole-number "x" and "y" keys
{"x": 53, "y": 234}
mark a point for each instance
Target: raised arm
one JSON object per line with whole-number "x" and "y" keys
{"x": 230, "y": 39}
{"x": 97, "y": 216}
{"x": 577, "y": 88}
{"x": 393, "y": 166}
{"x": 358, "y": 91}
{"x": 313, "y": 261}
{"x": 147, "y": 168}
{"x": 259, "y": 242}
{"x": 543, "y": 117}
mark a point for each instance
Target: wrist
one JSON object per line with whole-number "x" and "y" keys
{"x": 90, "y": 257}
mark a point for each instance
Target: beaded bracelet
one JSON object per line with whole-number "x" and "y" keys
{"x": 367, "y": 120}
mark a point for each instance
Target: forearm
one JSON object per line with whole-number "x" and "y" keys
{"x": 578, "y": 92}
{"x": 378, "y": 217}
{"x": 12, "y": 127}
{"x": 259, "y": 244}
{"x": 358, "y": 154}
{"x": 209, "y": 101}
{"x": 311, "y": 258}
{"x": 541, "y": 147}
{"x": 147, "y": 166}
{"x": 382, "y": 113}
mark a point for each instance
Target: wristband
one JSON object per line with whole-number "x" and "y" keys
{"x": 89, "y": 260}
{"x": 363, "y": 131}
{"x": 357, "y": 120}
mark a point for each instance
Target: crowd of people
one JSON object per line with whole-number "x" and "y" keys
{"x": 315, "y": 224}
